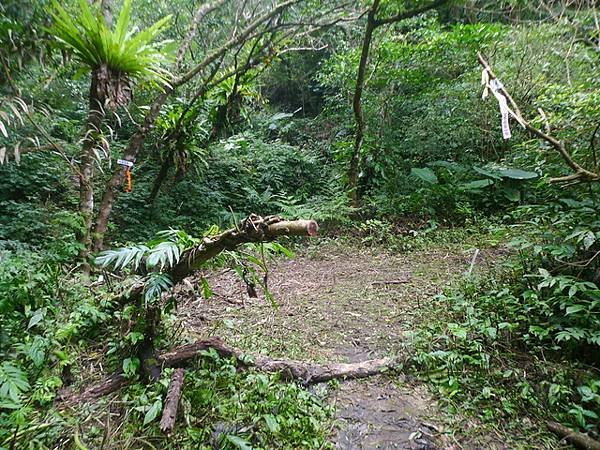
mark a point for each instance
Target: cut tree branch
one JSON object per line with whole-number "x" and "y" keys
{"x": 252, "y": 229}
{"x": 580, "y": 174}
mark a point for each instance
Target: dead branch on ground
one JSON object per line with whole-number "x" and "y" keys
{"x": 169, "y": 415}
{"x": 306, "y": 373}
{"x": 578, "y": 440}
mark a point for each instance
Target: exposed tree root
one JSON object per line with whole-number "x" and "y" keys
{"x": 306, "y": 373}
{"x": 579, "y": 440}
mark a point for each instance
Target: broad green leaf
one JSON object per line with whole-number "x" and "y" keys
{"x": 517, "y": 174}
{"x": 35, "y": 319}
{"x": 271, "y": 422}
{"x": 152, "y": 413}
{"x": 574, "y": 309}
{"x": 425, "y": 174}
{"x": 240, "y": 443}
{"x": 487, "y": 173}
{"x": 477, "y": 184}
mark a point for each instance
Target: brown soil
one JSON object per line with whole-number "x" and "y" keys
{"x": 347, "y": 304}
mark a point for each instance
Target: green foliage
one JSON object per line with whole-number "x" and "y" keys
{"x": 13, "y": 384}
{"x": 474, "y": 355}
{"x": 245, "y": 174}
{"x": 156, "y": 284}
{"x": 521, "y": 343}
{"x": 93, "y": 43}
{"x": 46, "y": 319}
{"x": 526, "y": 339}
{"x": 230, "y": 408}
{"x": 160, "y": 253}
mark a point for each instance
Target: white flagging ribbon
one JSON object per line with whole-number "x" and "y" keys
{"x": 495, "y": 86}
{"x": 503, "y": 108}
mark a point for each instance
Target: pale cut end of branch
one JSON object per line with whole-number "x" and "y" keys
{"x": 294, "y": 228}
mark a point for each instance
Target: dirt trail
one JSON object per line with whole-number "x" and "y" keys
{"x": 342, "y": 304}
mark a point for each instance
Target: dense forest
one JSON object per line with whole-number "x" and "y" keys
{"x": 299, "y": 224}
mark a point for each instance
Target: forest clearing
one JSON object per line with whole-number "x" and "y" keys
{"x": 299, "y": 224}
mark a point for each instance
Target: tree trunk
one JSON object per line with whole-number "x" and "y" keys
{"x": 160, "y": 177}
{"x": 115, "y": 182}
{"x": 357, "y": 105}
{"x": 137, "y": 140}
{"x": 86, "y": 165}
{"x": 372, "y": 24}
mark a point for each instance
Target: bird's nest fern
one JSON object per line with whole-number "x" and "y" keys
{"x": 119, "y": 55}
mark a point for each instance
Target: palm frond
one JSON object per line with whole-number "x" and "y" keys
{"x": 164, "y": 254}
{"x": 122, "y": 257}
{"x": 156, "y": 284}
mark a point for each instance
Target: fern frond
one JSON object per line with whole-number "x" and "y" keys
{"x": 156, "y": 284}
{"x": 13, "y": 383}
{"x": 122, "y": 257}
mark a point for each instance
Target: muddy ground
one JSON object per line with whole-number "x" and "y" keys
{"x": 343, "y": 303}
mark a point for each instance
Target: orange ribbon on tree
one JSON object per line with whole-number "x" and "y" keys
{"x": 128, "y": 177}
{"x": 129, "y": 186}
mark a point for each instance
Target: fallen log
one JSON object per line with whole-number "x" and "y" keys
{"x": 106, "y": 386}
{"x": 575, "y": 438}
{"x": 306, "y": 373}
{"x": 169, "y": 415}
{"x": 252, "y": 229}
